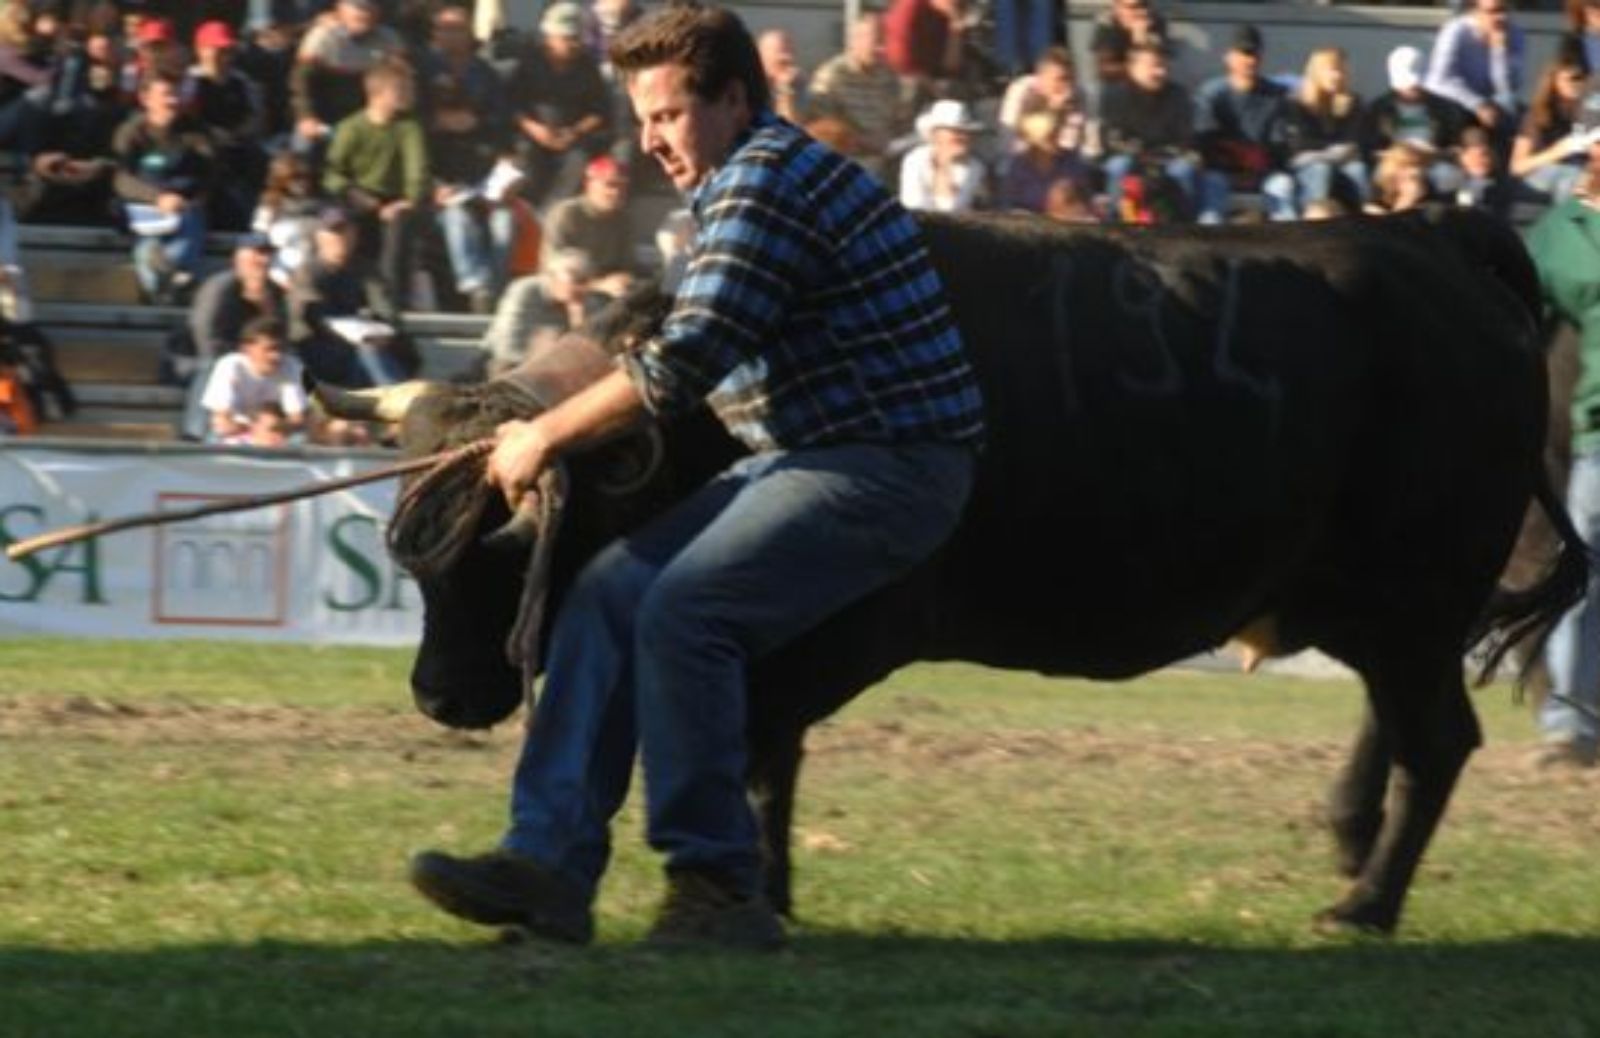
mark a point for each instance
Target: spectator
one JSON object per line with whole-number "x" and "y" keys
{"x": 268, "y": 58}
{"x": 942, "y": 174}
{"x": 232, "y": 299}
{"x": 1123, "y": 25}
{"x": 229, "y": 104}
{"x": 923, "y": 42}
{"x": 1482, "y": 183}
{"x": 164, "y": 171}
{"x": 1562, "y": 244}
{"x": 156, "y": 53}
{"x": 467, "y": 122}
{"x": 335, "y": 283}
{"x": 859, "y": 88}
{"x": 785, "y": 78}
{"x": 1400, "y": 181}
{"x": 1023, "y": 30}
{"x": 256, "y": 377}
{"x": 287, "y": 213}
{"x": 555, "y": 300}
{"x": 1409, "y": 114}
{"x": 327, "y": 83}
{"x": 596, "y": 223}
{"x": 377, "y": 169}
{"x": 1324, "y": 133}
{"x": 1241, "y": 125}
{"x": 17, "y": 414}
{"x": 24, "y": 79}
{"x": 1477, "y": 62}
{"x": 1032, "y": 172}
{"x": 1052, "y": 88}
{"x": 610, "y": 17}
{"x": 560, "y": 105}
{"x": 1583, "y": 20}
{"x": 1550, "y": 151}
{"x": 1147, "y": 127}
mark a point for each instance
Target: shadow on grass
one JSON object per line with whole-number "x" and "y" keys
{"x": 826, "y": 984}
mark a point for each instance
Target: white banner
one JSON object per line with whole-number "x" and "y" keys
{"x": 311, "y": 571}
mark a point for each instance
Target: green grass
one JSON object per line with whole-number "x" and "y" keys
{"x": 210, "y": 839}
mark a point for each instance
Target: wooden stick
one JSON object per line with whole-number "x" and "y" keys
{"x": 86, "y": 531}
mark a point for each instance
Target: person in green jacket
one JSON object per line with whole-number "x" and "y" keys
{"x": 1565, "y": 245}
{"x": 377, "y": 168}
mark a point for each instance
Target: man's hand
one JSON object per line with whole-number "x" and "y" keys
{"x": 170, "y": 202}
{"x": 521, "y": 454}
{"x": 393, "y": 210}
{"x": 1488, "y": 114}
{"x": 310, "y": 128}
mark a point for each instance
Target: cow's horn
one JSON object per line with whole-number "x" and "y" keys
{"x": 384, "y": 404}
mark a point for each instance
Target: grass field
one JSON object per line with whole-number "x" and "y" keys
{"x": 210, "y": 840}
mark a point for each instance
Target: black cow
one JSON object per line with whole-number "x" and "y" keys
{"x": 1302, "y": 435}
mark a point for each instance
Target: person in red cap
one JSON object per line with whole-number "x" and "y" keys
{"x": 229, "y": 104}
{"x": 596, "y": 223}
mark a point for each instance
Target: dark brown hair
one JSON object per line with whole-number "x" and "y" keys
{"x": 710, "y": 43}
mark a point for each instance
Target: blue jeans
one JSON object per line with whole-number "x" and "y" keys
{"x": 1022, "y": 31}
{"x": 1315, "y": 180}
{"x": 1574, "y": 653}
{"x": 478, "y": 244}
{"x": 652, "y": 642}
{"x": 156, "y": 259}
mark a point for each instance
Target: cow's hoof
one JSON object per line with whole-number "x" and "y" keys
{"x": 1345, "y": 920}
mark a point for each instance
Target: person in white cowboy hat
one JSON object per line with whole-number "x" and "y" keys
{"x": 942, "y": 173}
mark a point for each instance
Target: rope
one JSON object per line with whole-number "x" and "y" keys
{"x": 436, "y": 466}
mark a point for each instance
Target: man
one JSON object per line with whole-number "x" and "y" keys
{"x": 860, "y": 88}
{"x": 334, "y": 57}
{"x": 560, "y": 106}
{"x": 1147, "y": 122}
{"x": 533, "y": 310}
{"x": 1477, "y": 62}
{"x": 229, "y": 104}
{"x": 1408, "y": 113}
{"x": 924, "y": 41}
{"x": 1124, "y": 24}
{"x": 1241, "y": 125}
{"x": 230, "y": 299}
{"x": 596, "y": 223}
{"x": 165, "y": 167}
{"x": 852, "y": 481}
{"x": 255, "y": 378}
{"x": 378, "y": 169}
{"x": 464, "y": 112}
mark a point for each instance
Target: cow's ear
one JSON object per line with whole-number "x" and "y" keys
{"x": 628, "y": 465}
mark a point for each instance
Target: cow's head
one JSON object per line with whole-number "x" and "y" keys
{"x": 473, "y": 590}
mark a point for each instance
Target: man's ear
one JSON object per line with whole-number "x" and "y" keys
{"x": 736, "y": 95}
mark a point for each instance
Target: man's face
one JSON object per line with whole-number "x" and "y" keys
{"x": 606, "y": 192}
{"x": 390, "y": 96}
{"x": 1243, "y": 64}
{"x": 1053, "y": 82}
{"x": 866, "y": 41}
{"x": 357, "y": 19}
{"x": 562, "y": 48}
{"x": 777, "y": 54}
{"x": 951, "y": 144}
{"x": 251, "y": 265}
{"x": 265, "y": 356}
{"x": 1492, "y": 16}
{"x": 160, "y": 102}
{"x": 451, "y": 33}
{"x": 1147, "y": 70}
{"x": 688, "y": 135}
{"x": 333, "y": 246}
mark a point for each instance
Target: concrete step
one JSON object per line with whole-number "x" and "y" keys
{"x": 80, "y": 428}
{"x": 122, "y": 395}
{"x": 80, "y": 282}
{"x": 108, "y": 355}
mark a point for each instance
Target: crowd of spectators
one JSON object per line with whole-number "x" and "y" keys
{"x": 378, "y": 158}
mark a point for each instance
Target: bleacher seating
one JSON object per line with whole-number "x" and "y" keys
{"x": 109, "y": 343}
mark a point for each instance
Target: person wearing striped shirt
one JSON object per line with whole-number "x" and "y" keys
{"x": 811, "y": 321}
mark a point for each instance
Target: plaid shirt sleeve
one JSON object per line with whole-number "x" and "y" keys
{"x": 758, "y": 247}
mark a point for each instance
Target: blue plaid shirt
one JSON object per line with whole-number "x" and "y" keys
{"x": 810, "y": 313}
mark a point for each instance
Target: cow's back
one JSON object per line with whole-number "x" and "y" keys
{"x": 1190, "y": 430}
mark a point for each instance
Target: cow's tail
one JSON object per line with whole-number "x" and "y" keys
{"x": 1523, "y": 618}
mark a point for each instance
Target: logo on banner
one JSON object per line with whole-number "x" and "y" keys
{"x": 227, "y": 570}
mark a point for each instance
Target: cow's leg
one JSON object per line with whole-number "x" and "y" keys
{"x": 1355, "y": 803}
{"x": 774, "y": 773}
{"x": 1422, "y": 712}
